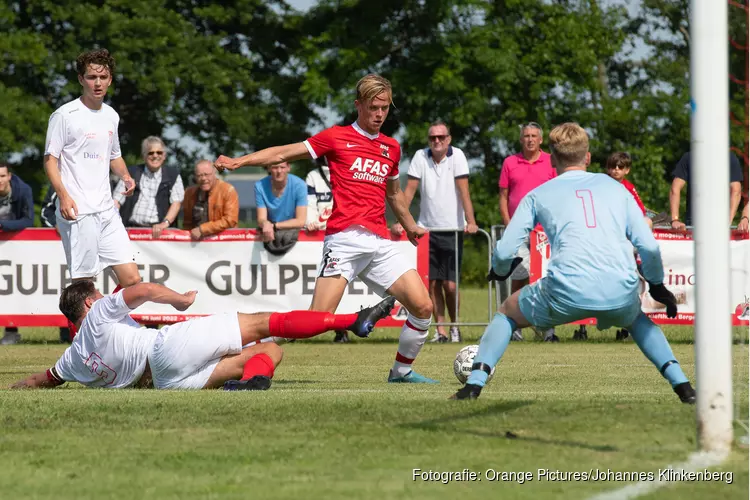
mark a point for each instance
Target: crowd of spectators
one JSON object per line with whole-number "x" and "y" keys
{"x": 287, "y": 204}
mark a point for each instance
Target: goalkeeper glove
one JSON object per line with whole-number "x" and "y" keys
{"x": 661, "y": 294}
{"x": 493, "y": 276}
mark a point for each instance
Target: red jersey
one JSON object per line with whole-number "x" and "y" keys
{"x": 631, "y": 189}
{"x": 361, "y": 165}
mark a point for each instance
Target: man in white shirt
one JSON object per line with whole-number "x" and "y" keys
{"x": 445, "y": 205}
{"x": 82, "y": 146}
{"x": 112, "y": 351}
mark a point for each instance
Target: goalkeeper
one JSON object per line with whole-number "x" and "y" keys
{"x": 592, "y": 224}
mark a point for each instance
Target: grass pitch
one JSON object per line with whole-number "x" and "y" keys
{"x": 330, "y": 427}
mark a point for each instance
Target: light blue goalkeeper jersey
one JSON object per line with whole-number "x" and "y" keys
{"x": 592, "y": 224}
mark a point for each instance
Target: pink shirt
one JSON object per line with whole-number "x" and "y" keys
{"x": 519, "y": 176}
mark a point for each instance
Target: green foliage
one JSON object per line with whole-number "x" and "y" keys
{"x": 245, "y": 74}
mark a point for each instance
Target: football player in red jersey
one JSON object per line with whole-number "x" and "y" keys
{"x": 364, "y": 174}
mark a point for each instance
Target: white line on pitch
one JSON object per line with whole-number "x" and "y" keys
{"x": 696, "y": 461}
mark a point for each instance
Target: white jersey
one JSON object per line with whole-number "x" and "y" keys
{"x": 440, "y": 206}
{"x": 110, "y": 350}
{"x": 319, "y": 197}
{"x": 84, "y": 141}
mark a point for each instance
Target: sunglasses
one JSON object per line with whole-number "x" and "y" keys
{"x": 617, "y": 167}
{"x": 440, "y": 138}
{"x": 155, "y": 153}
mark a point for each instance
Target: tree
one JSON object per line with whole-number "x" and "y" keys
{"x": 215, "y": 72}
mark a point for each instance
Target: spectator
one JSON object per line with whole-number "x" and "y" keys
{"x": 16, "y": 213}
{"x": 520, "y": 174}
{"x": 618, "y": 167}
{"x": 281, "y": 199}
{"x": 212, "y": 205}
{"x": 48, "y": 217}
{"x": 681, "y": 176}
{"x": 443, "y": 174}
{"x": 319, "y": 197}
{"x": 158, "y": 194}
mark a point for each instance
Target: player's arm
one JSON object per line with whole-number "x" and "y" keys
{"x": 397, "y": 201}
{"x": 141, "y": 293}
{"x": 640, "y": 235}
{"x": 68, "y": 207}
{"x": 121, "y": 170}
{"x": 515, "y": 234}
{"x": 674, "y": 199}
{"x": 41, "y": 380}
{"x": 268, "y": 156}
{"x": 735, "y": 195}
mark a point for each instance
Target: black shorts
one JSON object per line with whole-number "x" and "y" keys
{"x": 443, "y": 255}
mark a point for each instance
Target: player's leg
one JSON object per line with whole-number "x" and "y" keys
{"x": 495, "y": 339}
{"x": 520, "y": 278}
{"x": 116, "y": 250}
{"x": 251, "y": 369}
{"x": 651, "y": 341}
{"x": 410, "y": 291}
{"x": 80, "y": 239}
{"x": 306, "y": 324}
{"x": 345, "y": 254}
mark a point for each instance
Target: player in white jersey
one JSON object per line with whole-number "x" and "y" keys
{"x": 592, "y": 224}
{"x": 82, "y": 146}
{"x": 112, "y": 351}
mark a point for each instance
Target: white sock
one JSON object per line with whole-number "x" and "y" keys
{"x": 410, "y": 342}
{"x": 278, "y": 340}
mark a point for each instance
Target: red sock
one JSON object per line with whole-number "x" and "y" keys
{"x": 117, "y": 289}
{"x": 306, "y": 324}
{"x": 260, "y": 364}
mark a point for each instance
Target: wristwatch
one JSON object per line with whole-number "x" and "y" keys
{"x": 167, "y": 221}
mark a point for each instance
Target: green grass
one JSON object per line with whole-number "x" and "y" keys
{"x": 330, "y": 427}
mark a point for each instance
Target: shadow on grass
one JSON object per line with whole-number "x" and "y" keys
{"x": 438, "y": 425}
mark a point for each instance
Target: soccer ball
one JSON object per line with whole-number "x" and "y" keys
{"x": 463, "y": 362}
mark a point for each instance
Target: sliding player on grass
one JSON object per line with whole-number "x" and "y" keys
{"x": 592, "y": 225}
{"x": 113, "y": 351}
{"x": 363, "y": 164}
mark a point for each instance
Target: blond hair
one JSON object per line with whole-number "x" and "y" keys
{"x": 372, "y": 85}
{"x": 569, "y": 144}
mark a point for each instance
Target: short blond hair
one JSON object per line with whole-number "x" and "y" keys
{"x": 372, "y": 85}
{"x": 569, "y": 144}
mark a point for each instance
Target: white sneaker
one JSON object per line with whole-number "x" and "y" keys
{"x": 455, "y": 334}
{"x": 516, "y": 335}
{"x": 438, "y": 338}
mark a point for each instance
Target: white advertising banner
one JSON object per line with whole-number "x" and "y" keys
{"x": 679, "y": 275}
{"x": 232, "y": 272}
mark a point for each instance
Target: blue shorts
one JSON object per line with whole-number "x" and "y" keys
{"x": 544, "y": 312}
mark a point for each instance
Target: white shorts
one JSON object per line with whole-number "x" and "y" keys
{"x": 357, "y": 252}
{"x": 185, "y": 354}
{"x": 522, "y": 271}
{"x": 94, "y": 242}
